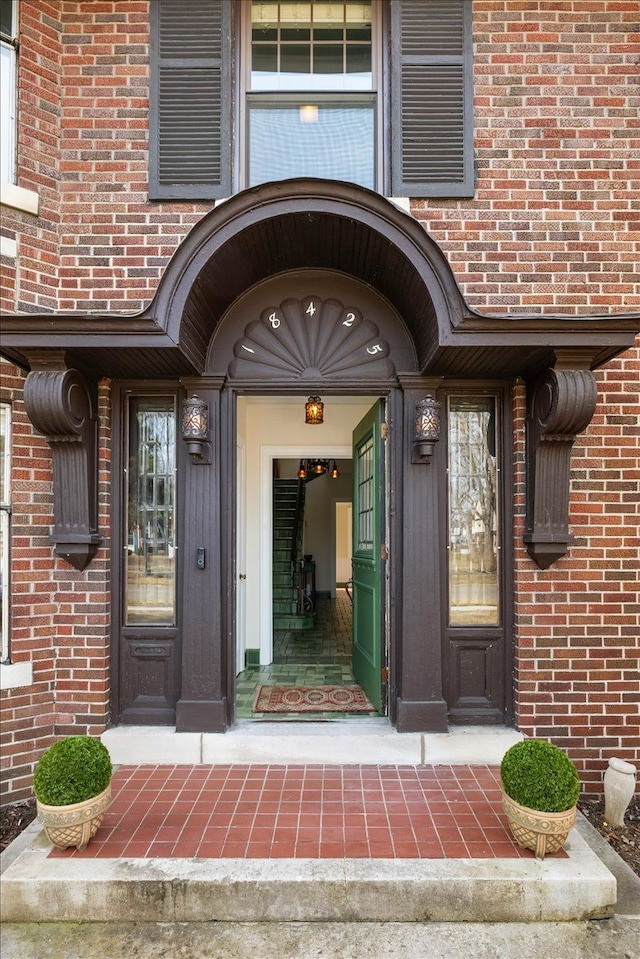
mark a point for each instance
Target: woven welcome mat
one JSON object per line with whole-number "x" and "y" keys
{"x": 311, "y": 699}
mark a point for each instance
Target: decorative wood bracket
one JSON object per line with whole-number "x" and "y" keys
{"x": 561, "y": 403}
{"x": 61, "y": 404}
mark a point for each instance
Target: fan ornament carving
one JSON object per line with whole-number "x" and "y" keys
{"x": 311, "y": 338}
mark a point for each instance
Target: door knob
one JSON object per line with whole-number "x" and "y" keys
{"x": 242, "y": 576}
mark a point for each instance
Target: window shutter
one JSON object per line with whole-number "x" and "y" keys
{"x": 190, "y": 116}
{"x": 431, "y": 98}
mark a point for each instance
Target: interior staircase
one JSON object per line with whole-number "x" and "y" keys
{"x": 288, "y": 524}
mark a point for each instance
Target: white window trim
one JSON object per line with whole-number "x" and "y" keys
{"x": 9, "y": 97}
{"x": 18, "y": 198}
{"x": 16, "y": 675}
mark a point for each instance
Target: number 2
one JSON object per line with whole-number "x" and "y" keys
{"x": 350, "y": 320}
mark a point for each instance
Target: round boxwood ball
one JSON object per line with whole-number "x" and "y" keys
{"x": 541, "y": 776}
{"x": 72, "y": 770}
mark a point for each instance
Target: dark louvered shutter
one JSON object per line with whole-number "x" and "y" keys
{"x": 431, "y": 98}
{"x": 190, "y": 118}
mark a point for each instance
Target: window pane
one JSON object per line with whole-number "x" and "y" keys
{"x": 5, "y": 474}
{"x": 7, "y": 112}
{"x": 328, "y": 59}
{"x": 150, "y": 556}
{"x": 5, "y": 526}
{"x": 312, "y": 140}
{"x": 295, "y": 59}
{"x": 7, "y": 27}
{"x": 315, "y": 42}
{"x": 265, "y": 58}
{"x": 473, "y": 511}
{"x": 364, "y": 466}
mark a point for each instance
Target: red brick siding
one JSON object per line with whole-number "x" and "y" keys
{"x": 578, "y": 623}
{"x": 552, "y": 228}
{"x": 59, "y": 616}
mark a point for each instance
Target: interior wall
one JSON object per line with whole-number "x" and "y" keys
{"x": 279, "y": 422}
{"x": 319, "y": 524}
{"x": 344, "y": 514}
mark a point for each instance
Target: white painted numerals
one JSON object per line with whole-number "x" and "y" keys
{"x": 376, "y": 348}
{"x": 349, "y": 320}
{"x": 274, "y": 320}
{"x": 311, "y": 309}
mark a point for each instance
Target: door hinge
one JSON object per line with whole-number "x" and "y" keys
{"x": 384, "y": 675}
{"x": 384, "y": 552}
{"x": 384, "y": 431}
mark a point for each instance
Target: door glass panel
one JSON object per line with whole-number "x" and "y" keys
{"x": 364, "y": 480}
{"x": 473, "y": 511}
{"x": 150, "y": 554}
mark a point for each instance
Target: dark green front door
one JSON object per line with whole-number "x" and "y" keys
{"x": 368, "y": 548}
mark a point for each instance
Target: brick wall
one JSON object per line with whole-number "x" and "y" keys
{"x": 553, "y": 228}
{"x": 59, "y": 616}
{"x": 578, "y": 623}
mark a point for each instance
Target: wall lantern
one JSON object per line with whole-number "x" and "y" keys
{"x": 427, "y": 429}
{"x": 195, "y": 429}
{"x": 314, "y": 411}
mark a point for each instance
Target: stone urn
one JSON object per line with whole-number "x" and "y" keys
{"x": 76, "y": 824}
{"x": 543, "y": 832}
{"x": 619, "y": 787}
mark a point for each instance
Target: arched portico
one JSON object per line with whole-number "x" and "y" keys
{"x": 377, "y": 283}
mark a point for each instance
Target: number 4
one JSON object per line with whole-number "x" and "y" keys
{"x": 310, "y": 310}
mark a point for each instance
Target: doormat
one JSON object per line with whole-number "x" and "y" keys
{"x": 311, "y": 699}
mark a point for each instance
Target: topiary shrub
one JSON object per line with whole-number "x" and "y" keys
{"x": 541, "y": 776}
{"x": 72, "y": 770}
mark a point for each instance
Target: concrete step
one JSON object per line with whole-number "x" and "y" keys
{"x": 37, "y": 888}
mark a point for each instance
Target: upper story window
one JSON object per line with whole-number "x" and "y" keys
{"x": 373, "y": 92}
{"x": 8, "y": 82}
{"x": 311, "y": 108}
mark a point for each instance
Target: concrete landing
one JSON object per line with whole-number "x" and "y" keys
{"x": 355, "y": 741}
{"x": 37, "y": 888}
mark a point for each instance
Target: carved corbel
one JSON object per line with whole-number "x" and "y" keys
{"x": 561, "y": 403}
{"x": 61, "y": 404}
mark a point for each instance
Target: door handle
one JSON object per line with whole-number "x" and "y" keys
{"x": 242, "y": 576}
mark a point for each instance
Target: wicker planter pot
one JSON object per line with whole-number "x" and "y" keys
{"x": 76, "y": 824}
{"x": 544, "y": 832}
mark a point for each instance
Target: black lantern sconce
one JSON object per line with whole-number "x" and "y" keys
{"x": 195, "y": 429}
{"x": 314, "y": 411}
{"x": 427, "y": 429}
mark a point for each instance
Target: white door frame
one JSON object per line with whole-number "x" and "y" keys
{"x": 241, "y": 556}
{"x": 267, "y": 455}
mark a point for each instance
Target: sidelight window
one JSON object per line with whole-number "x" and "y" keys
{"x": 150, "y": 550}
{"x": 473, "y": 511}
{"x": 5, "y": 525}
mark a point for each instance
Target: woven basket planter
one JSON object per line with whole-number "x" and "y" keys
{"x": 76, "y": 824}
{"x": 544, "y": 832}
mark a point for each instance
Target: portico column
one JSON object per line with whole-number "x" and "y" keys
{"x": 421, "y": 706}
{"x": 202, "y": 705}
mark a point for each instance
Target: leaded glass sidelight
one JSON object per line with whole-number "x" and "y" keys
{"x": 472, "y": 511}
{"x": 150, "y": 552}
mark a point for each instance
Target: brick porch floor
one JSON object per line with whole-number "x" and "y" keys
{"x": 316, "y": 812}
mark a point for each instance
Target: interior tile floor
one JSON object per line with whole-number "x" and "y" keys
{"x": 304, "y": 811}
{"x": 316, "y": 657}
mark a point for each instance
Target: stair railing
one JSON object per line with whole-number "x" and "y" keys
{"x": 297, "y": 565}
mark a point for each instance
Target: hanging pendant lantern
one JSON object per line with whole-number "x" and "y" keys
{"x": 314, "y": 411}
